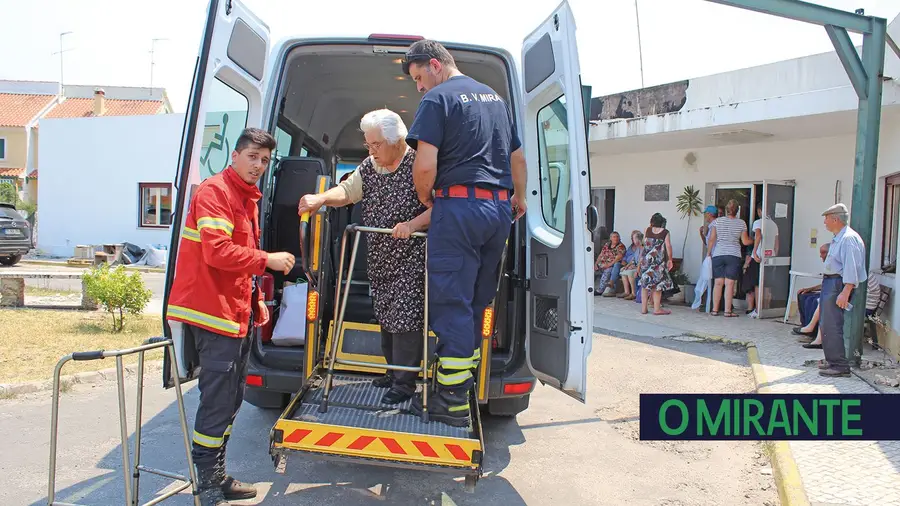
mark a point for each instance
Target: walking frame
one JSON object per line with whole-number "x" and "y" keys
{"x": 131, "y": 474}
{"x": 340, "y": 307}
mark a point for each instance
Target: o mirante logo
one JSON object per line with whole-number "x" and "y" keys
{"x": 769, "y": 417}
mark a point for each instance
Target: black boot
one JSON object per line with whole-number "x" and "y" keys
{"x": 209, "y": 485}
{"x": 232, "y": 489}
{"x": 446, "y": 406}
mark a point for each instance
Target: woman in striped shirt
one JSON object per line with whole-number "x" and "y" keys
{"x": 728, "y": 235}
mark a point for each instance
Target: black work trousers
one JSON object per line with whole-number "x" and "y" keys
{"x": 223, "y": 375}
{"x": 404, "y": 348}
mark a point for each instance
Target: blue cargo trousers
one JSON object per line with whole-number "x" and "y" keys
{"x": 466, "y": 239}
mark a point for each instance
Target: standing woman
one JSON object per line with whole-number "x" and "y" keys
{"x": 396, "y": 264}
{"x": 726, "y": 241}
{"x": 656, "y": 262}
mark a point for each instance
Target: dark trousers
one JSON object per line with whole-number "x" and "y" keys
{"x": 403, "y": 348}
{"x": 831, "y": 320}
{"x": 807, "y": 304}
{"x": 466, "y": 241}
{"x": 223, "y": 375}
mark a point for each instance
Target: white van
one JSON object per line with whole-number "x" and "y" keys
{"x": 311, "y": 94}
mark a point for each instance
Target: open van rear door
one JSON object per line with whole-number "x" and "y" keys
{"x": 560, "y": 257}
{"x": 226, "y": 97}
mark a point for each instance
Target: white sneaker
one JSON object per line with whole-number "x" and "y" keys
{"x": 754, "y": 314}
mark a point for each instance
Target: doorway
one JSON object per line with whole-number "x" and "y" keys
{"x": 604, "y": 199}
{"x": 777, "y": 199}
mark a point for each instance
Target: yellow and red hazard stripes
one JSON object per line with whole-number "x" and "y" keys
{"x": 396, "y": 446}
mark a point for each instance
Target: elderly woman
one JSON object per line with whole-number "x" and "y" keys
{"x": 631, "y": 263}
{"x": 608, "y": 264}
{"x": 396, "y": 264}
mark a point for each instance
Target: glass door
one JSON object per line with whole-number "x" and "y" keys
{"x": 776, "y": 246}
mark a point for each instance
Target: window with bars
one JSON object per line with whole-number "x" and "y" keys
{"x": 891, "y": 222}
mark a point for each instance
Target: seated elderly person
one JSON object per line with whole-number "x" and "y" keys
{"x": 609, "y": 263}
{"x": 812, "y": 330}
{"x": 808, "y": 303}
{"x": 383, "y": 182}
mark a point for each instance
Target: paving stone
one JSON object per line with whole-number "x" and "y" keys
{"x": 848, "y": 473}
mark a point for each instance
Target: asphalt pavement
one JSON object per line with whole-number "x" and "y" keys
{"x": 559, "y": 451}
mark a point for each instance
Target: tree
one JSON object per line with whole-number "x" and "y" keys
{"x": 8, "y": 193}
{"x": 688, "y": 205}
{"x": 117, "y": 291}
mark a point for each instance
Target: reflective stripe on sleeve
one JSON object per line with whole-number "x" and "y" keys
{"x": 215, "y": 224}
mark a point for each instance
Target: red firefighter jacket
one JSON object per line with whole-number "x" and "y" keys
{"x": 218, "y": 256}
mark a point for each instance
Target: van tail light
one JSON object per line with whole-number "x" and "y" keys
{"x": 254, "y": 380}
{"x": 312, "y": 306}
{"x": 267, "y": 284}
{"x": 487, "y": 322}
{"x": 517, "y": 388}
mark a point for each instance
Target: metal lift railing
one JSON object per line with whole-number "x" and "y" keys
{"x": 131, "y": 474}
{"x": 340, "y": 307}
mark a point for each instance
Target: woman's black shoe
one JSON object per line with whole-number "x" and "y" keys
{"x": 799, "y": 332}
{"x": 383, "y": 382}
{"x": 394, "y": 396}
{"x": 811, "y": 346}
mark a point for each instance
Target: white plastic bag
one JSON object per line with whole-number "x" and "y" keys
{"x": 703, "y": 283}
{"x": 290, "y": 329}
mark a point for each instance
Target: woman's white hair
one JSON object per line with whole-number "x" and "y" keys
{"x": 388, "y": 122}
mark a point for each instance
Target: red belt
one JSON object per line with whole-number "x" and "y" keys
{"x": 460, "y": 191}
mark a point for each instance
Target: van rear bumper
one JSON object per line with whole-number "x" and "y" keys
{"x": 290, "y": 382}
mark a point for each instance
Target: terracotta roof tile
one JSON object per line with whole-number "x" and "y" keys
{"x": 12, "y": 172}
{"x": 33, "y": 174}
{"x": 84, "y": 108}
{"x": 17, "y": 110}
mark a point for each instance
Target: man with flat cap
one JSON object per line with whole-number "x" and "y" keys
{"x": 845, "y": 269}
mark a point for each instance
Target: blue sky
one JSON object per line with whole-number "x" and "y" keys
{"x": 680, "y": 38}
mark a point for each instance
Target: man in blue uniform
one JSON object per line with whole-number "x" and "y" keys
{"x": 468, "y": 158}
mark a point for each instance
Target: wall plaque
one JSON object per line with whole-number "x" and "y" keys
{"x": 656, "y": 193}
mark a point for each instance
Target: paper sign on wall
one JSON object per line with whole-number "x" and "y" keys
{"x": 781, "y": 210}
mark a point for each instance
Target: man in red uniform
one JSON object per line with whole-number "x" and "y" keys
{"x": 212, "y": 296}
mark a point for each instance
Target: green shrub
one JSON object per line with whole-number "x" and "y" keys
{"x": 117, "y": 291}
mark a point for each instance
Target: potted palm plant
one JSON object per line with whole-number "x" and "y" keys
{"x": 688, "y": 205}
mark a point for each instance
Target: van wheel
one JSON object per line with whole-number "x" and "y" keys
{"x": 10, "y": 260}
{"x": 509, "y": 406}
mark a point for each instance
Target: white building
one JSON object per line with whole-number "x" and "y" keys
{"x": 107, "y": 180}
{"x": 792, "y": 121}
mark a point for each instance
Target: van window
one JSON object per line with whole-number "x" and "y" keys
{"x": 282, "y": 144}
{"x": 226, "y": 117}
{"x": 553, "y": 154}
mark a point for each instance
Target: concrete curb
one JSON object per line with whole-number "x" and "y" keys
{"x": 64, "y": 264}
{"x": 784, "y": 467}
{"x": 81, "y": 378}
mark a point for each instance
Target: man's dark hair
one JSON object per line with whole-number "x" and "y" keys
{"x": 657, "y": 221}
{"x": 256, "y": 136}
{"x": 432, "y": 49}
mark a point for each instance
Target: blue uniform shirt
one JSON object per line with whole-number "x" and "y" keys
{"x": 847, "y": 257}
{"x": 473, "y": 129}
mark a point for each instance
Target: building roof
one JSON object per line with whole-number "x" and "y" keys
{"x": 11, "y": 172}
{"x": 84, "y": 108}
{"x": 16, "y": 110}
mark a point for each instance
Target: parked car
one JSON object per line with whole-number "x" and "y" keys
{"x": 15, "y": 235}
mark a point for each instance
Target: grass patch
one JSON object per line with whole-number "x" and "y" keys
{"x": 40, "y": 291}
{"x": 33, "y": 340}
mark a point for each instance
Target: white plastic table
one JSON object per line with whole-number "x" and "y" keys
{"x": 794, "y": 276}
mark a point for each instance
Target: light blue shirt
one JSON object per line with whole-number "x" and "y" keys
{"x": 847, "y": 257}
